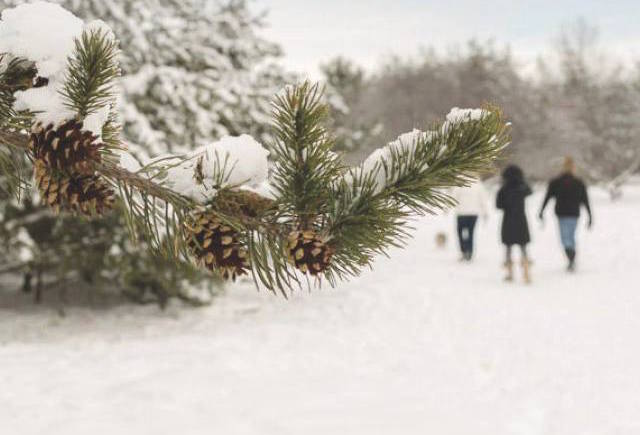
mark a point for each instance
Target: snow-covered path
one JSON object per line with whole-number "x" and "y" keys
{"x": 423, "y": 344}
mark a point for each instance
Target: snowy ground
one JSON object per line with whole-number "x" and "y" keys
{"x": 421, "y": 345}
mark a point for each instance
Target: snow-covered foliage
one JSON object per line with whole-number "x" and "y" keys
{"x": 379, "y": 160}
{"x": 193, "y": 71}
{"x": 379, "y": 163}
{"x": 45, "y": 33}
{"x": 459, "y": 115}
{"x": 231, "y": 161}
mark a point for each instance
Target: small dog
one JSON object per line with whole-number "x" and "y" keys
{"x": 441, "y": 240}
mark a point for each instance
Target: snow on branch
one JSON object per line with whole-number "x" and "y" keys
{"x": 43, "y": 33}
{"x": 385, "y": 165}
{"x": 230, "y": 162}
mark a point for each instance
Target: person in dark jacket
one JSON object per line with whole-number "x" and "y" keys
{"x": 570, "y": 194}
{"x": 515, "y": 228}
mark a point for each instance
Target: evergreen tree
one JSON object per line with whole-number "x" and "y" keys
{"x": 196, "y": 70}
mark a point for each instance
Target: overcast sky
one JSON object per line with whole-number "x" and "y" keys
{"x": 368, "y": 30}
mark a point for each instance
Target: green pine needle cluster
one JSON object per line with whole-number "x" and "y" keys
{"x": 15, "y": 74}
{"x": 305, "y": 163}
{"x": 92, "y": 71}
{"x": 152, "y": 212}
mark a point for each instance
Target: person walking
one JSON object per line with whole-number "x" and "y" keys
{"x": 569, "y": 193}
{"x": 471, "y": 203}
{"x": 515, "y": 228}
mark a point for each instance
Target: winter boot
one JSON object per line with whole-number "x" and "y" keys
{"x": 525, "y": 270}
{"x": 508, "y": 265}
{"x": 571, "y": 255}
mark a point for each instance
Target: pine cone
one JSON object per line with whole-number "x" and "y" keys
{"x": 67, "y": 147}
{"x": 216, "y": 245}
{"x": 79, "y": 193}
{"x": 308, "y": 252}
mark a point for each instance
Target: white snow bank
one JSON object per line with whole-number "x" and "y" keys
{"x": 45, "y": 33}
{"x": 231, "y": 161}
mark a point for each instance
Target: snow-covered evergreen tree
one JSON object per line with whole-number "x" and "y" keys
{"x": 193, "y": 70}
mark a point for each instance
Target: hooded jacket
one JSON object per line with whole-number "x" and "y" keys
{"x": 511, "y": 200}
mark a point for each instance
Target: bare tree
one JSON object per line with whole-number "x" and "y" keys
{"x": 601, "y": 109}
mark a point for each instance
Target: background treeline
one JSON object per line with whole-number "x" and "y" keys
{"x": 576, "y": 102}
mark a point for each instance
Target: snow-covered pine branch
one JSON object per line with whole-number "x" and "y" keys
{"x": 372, "y": 203}
{"x": 214, "y": 205}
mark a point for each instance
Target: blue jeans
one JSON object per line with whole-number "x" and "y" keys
{"x": 466, "y": 226}
{"x": 568, "y": 226}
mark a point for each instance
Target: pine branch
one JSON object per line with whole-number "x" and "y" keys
{"x": 305, "y": 164}
{"x": 13, "y": 178}
{"x": 153, "y": 212}
{"x": 373, "y": 205}
{"x": 111, "y": 130}
{"x": 92, "y": 71}
{"x": 450, "y": 155}
{"x": 362, "y": 224}
{"x": 6, "y": 106}
{"x": 17, "y": 74}
{"x": 12, "y": 181}
{"x": 326, "y": 219}
{"x": 359, "y": 212}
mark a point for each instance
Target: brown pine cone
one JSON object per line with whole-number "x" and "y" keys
{"x": 79, "y": 193}
{"x": 308, "y": 252}
{"x": 216, "y": 245}
{"x": 66, "y": 147}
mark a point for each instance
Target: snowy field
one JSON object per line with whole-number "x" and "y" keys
{"x": 421, "y": 345}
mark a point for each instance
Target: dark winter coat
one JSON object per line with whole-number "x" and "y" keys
{"x": 511, "y": 199}
{"x": 570, "y": 193}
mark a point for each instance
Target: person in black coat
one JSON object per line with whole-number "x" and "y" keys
{"x": 515, "y": 228}
{"x": 570, "y": 194}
